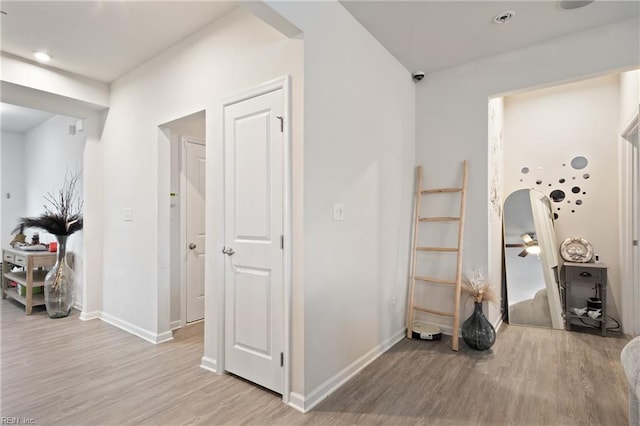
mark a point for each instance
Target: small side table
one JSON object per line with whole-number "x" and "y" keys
{"x": 593, "y": 274}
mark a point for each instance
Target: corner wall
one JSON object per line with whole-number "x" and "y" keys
{"x": 234, "y": 54}
{"x": 359, "y": 151}
{"x": 452, "y": 110}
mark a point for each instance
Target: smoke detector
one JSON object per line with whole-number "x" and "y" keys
{"x": 504, "y": 17}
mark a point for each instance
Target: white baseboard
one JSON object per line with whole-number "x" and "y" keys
{"x": 296, "y": 401}
{"x": 498, "y": 324}
{"x": 209, "y": 364}
{"x": 88, "y": 316}
{"x": 174, "y": 325}
{"x": 147, "y": 335}
{"x": 330, "y": 385}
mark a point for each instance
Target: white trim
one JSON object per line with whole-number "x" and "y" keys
{"x": 330, "y": 385}
{"x": 296, "y": 401}
{"x": 182, "y": 206}
{"x": 630, "y": 290}
{"x": 147, "y": 335}
{"x": 88, "y": 316}
{"x": 209, "y": 364}
{"x": 498, "y": 324}
{"x": 174, "y": 325}
{"x": 283, "y": 83}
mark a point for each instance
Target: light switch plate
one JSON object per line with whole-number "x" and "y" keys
{"x": 338, "y": 211}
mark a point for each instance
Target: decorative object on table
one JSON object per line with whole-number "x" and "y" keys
{"x": 62, "y": 218}
{"x": 477, "y": 331}
{"x": 594, "y": 313}
{"x": 19, "y": 239}
{"x": 577, "y": 250}
{"x": 579, "y": 311}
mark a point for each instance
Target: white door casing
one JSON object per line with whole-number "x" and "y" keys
{"x": 254, "y": 331}
{"x": 630, "y": 226}
{"x": 194, "y": 190}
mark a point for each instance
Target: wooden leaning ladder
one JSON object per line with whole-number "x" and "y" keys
{"x": 457, "y": 282}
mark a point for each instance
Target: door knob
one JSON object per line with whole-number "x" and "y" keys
{"x": 228, "y": 251}
{"x": 192, "y": 246}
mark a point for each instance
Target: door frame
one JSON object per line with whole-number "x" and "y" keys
{"x": 183, "y": 224}
{"x": 630, "y": 290}
{"x": 283, "y": 83}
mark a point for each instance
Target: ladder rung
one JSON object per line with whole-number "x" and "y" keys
{"x": 433, "y": 311}
{"x": 436, "y": 280}
{"x": 437, "y": 249}
{"x": 439, "y": 219}
{"x": 440, "y": 190}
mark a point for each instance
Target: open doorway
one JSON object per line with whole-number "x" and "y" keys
{"x": 38, "y": 151}
{"x": 549, "y": 146}
{"x": 187, "y": 217}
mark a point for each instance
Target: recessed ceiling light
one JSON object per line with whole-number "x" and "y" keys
{"x": 41, "y": 56}
{"x": 573, "y": 4}
{"x": 504, "y": 17}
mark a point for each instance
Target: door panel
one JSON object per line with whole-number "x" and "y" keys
{"x": 195, "y": 211}
{"x": 253, "y": 143}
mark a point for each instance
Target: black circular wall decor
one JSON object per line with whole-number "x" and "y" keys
{"x": 557, "y": 195}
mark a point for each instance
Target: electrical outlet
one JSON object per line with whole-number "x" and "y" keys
{"x": 338, "y": 211}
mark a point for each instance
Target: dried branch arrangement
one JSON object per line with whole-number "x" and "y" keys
{"x": 63, "y": 215}
{"x": 478, "y": 286}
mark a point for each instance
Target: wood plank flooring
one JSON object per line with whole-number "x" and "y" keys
{"x": 70, "y": 372}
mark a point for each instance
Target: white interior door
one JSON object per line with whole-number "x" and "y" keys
{"x": 254, "y": 326}
{"x": 195, "y": 230}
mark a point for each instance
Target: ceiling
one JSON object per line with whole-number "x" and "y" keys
{"x": 434, "y": 35}
{"x": 104, "y": 40}
{"x": 17, "y": 119}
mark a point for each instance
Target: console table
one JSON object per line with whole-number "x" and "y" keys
{"x": 585, "y": 274}
{"x": 34, "y": 264}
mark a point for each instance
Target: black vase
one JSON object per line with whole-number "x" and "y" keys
{"x": 477, "y": 331}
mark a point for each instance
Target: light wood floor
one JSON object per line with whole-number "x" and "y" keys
{"x": 70, "y": 372}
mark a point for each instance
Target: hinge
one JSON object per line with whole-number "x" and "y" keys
{"x": 281, "y": 359}
{"x": 281, "y": 118}
{"x": 282, "y": 242}
{"x": 635, "y": 243}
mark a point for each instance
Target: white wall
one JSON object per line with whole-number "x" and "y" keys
{"x": 12, "y": 182}
{"x": 233, "y": 54}
{"x": 452, "y": 109}
{"x": 50, "y": 152}
{"x": 544, "y": 130}
{"x": 359, "y": 150}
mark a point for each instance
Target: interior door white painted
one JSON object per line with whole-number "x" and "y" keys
{"x": 254, "y": 328}
{"x": 195, "y": 228}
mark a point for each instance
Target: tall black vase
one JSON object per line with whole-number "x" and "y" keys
{"x": 477, "y": 331}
